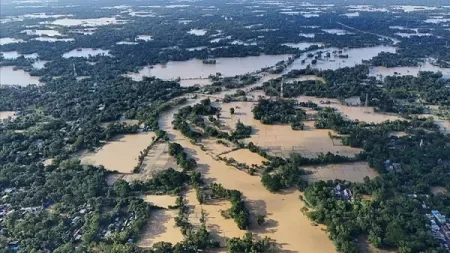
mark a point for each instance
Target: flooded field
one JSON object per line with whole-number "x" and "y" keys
{"x": 245, "y": 156}
{"x": 10, "y": 55}
{"x": 438, "y": 190}
{"x": 281, "y": 140}
{"x": 92, "y": 22}
{"x": 198, "y": 32}
{"x": 9, "y": 76}
{"x": 193, "y": 82}
{"x": 39, "y": 64}
{"x": 336, "y": 31}
{"x": 353, "y": 172}
{"x": 144, "y": 37}
{"x": 361, "y": 113}
{"x": 163, "y": 201}
{"x": 307, "y": 35}
{"x": 302, "y": 45}
{"x": 194, "y": 69}
{"x": 50, "y": 33}
{"x": 381, "y": 72}
{"x": 355, "y": 56}
{"x": 219, "y": 227}
{"x": 160, "y": 228}
{"x": 284, "y": 221}
{"x": 6, "y": 115}
{"x": 4, "y": 41}
{"x": 120, "y": 155}
{"x": 86, "y": 52}
{"x": 49, "y": 39}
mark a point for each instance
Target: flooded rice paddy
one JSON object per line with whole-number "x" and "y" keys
{"x": 6, "y": 115}
{"x": 50, "y": 33}
{"x": 92, "y": 22}
{"x": 9, "y": 76}
{"x": 245, "y": 156}
{"x": 163, "y": 201}
{"x": 220, "y": 227}
{"x": 302, "y": 45}
{"x": 86, "y": 52}
{"x": 6, "y": 40}
{"x": 11, "y": 55}
{"x": 353, "y": 172}
{"x": 281, "y": 140}
{"x": 119, "y": 155}
{"x": 197, "y": 32}
{"x": 160, "y": 228}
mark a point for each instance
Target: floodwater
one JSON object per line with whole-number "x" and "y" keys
{"x": 245, "y": 156}
{"x": 411, "y": 8}
{"x": 219, "y": 227}
{"x": 302, "y": 45}
{"x": 239, "y": 42}
{"x": 9, "y": 76}
{"x": 120, "y": 155}
{"x": 336, "y": 31}
{"x": 437, "y": 20}
{"x": 160, "y": 228}
{"x": 284, "y": 222}
{"x": 361, "y": 113}
{"x": 86, "y": 52}
{"x": 7, "y": 40}
{"x": 198, "y": 32}
{"x": 127, "y": 43}
{"x": 11, "y": 55}
{"x": 355, "y": 56}
{"x": 351, "y": 14}
{"x": 193, "y": 82}
{"x": 163, "y": 201}
{"x": 381, "y": 72}
{"x": 307, "y": 35}
{"x": 353, "y": 172}
{"x": 50, "y": 33}
{"x": 144, "y": 37}
{"x": 49, "y": 39}
{"x": 409, "y": 35}
{"x": 6, "y": 115}
{"x": 91, "y": 22}
{"x": 281, "y": 140}
{"x": 192, "y": 49}
{"x": 194, "y": 69}
{"x": 438, "y": 190}
{"x": 39, "y": 64}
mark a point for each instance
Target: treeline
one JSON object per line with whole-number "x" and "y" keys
{"x": 279, "y": 111}
{"x": 185, "y": 162}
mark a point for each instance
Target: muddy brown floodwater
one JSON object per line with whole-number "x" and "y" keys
{"x": 245, "y": 156}
{"x": 285, "y": 223}
{"x": 281, "y": 140}
{"x": 6, "y": 115}
{"x": 121, "y": 154}
{"x": 354, "y": 172}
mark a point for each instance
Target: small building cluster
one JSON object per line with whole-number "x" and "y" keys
{"x": 342, "y": 192}
{"x": 391, "y": 166}
{"x": 440, "y": 228}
